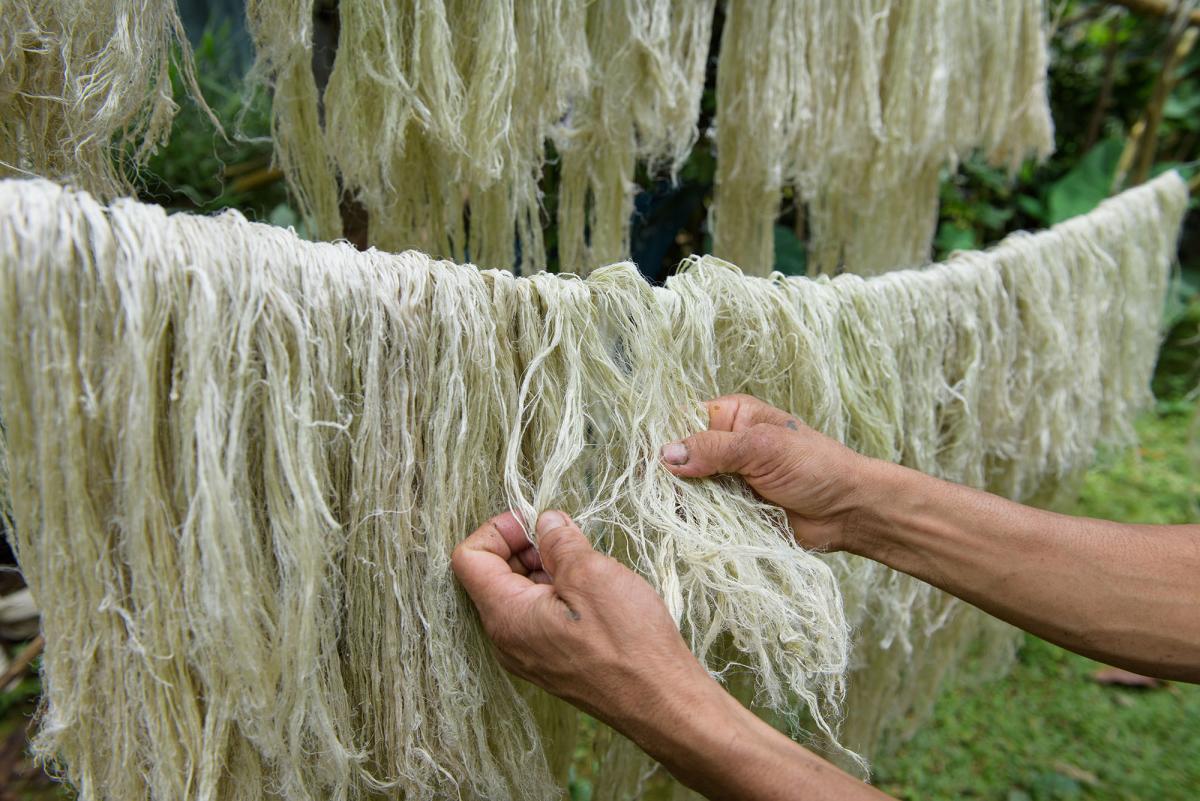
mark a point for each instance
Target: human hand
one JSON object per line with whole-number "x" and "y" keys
{"x": 587, "y": 629}
{"x": 577, "y": 623}
{"x": 816, "y": 480}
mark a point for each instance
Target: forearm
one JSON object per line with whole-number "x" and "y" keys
{"x": 1125, "y": 594}
{"x": 715, "y": 746}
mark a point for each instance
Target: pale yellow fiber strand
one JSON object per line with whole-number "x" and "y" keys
{"x": 646, "y": 80}
{"x": 857, "y": 106}
{"x": 435, "y": 118}
{"x": 438, "y": 114}
{"x": 85, "y": 88}
{"x": 239, "y": 461}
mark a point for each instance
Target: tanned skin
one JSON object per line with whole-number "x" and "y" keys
{"x": 589, "y": 630}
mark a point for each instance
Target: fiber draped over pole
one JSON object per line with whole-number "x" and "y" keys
{"x": 85, "y": 88}
{"x": 856, "y": 106}
{"x": 239, "y": 463}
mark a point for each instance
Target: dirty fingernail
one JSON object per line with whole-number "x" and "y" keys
{"x": 675, "y": 453}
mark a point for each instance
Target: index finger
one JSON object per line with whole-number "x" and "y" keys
{"x": 481, "y": 562}
{"x": 739, "y": 412}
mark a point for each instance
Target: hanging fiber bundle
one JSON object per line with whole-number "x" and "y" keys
{"x": 283, "y": 37}
{"x": 857, "y": 107}
{"x": 434, "y": 118}
{"x": 239, "y": 463}
{"x": 85, "y": 88}
{"x": 294, "y": 437}
{"x": 648, "y": 59}
{"x": 437, "y": 114}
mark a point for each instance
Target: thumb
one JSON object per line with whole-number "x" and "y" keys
{"x": 705, "y": 453}
{"x": 560, "y": 542}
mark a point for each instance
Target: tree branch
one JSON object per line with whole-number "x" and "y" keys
{"x": 22, "y": 661}
{"x": 1154, "y": 8}
{"x": 1148, "y": 144}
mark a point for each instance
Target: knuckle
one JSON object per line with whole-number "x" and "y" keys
{"x": 760, "y": 436}
{"x": 457, "y": 556}
{"x": 740, "y": 446}
{"x": 707, "y": 447}
{"x": 753, "y": 444}
{"x": 592, "y": 567}
{"x": 696, "y": 443}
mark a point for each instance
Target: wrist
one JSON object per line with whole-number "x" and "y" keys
{"x": 665, "y": 700}
{"x": 694, "y": 728}
{"x": 878, "y": 488}
{"x": 712, "y": 744}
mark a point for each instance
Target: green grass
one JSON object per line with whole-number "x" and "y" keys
{"x": 1048, "y": 731}
{"x": 1158, "y": 482}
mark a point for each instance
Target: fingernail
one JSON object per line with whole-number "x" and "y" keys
{"x": 675, "y": 453}
{"x": 548, "y": 521}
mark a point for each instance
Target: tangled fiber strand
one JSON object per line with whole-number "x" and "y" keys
{"x": 85, "y": 88}
{"x": 239, "y": 463}
{"x": 857, "y": 107}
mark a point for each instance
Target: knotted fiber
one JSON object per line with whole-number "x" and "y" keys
{"x": 85, "y": 88}
{"x": 856, "y": 107}
{"x": 239, "y": 462}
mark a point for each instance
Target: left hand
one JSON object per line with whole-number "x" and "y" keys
{"x": 577, "y": 623}
{"x": 587, "y": 629}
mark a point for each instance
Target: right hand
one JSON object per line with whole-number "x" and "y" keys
{"x": 816, "y": 480}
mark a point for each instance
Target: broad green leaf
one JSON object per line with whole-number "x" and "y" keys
{"x": 1088, "y": 182}
{"x": 952, "y": 237}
